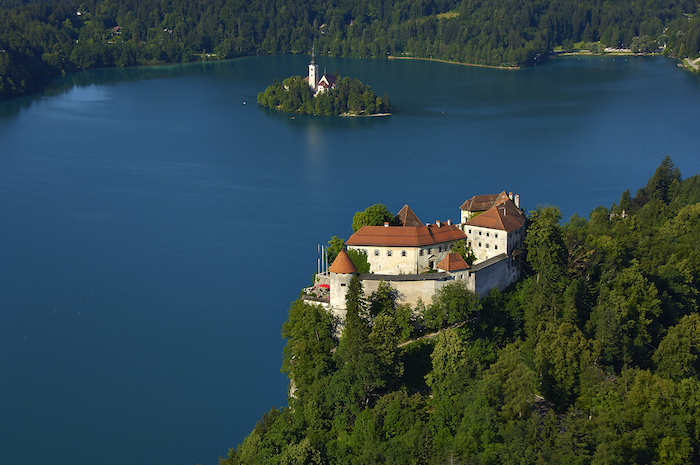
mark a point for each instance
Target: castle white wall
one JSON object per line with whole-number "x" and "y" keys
{"x": 488, "y": 243}
{"x": 405, "y": 260}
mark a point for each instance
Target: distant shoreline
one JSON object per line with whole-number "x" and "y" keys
{"x": 391, "y": 57}
{"x": 364, "y": 116}
{"x": 685, "y": 63}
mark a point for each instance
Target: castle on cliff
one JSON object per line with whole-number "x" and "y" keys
{"x": 416, "y": 258}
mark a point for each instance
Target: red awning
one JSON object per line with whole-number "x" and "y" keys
{"x": 325, "y": 286}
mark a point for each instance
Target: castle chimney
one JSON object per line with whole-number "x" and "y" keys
{"x": 386, "y": 224}
{"x": 517, "y": 200}
{"x": 510, "y": 195}
{"x": 437, "y": 222}
{"x": 449, "y": 222}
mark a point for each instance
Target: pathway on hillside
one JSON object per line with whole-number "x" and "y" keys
{"x": 431, "y": 335}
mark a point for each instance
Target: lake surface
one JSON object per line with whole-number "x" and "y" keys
{"x": 156, "y": 223}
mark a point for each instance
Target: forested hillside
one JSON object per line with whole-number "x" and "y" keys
{"x": 591, "y": 358}
{"x": 45, "y": 38}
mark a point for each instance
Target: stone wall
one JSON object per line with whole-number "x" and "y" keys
{"x": 409, "y": 288}
{"x": 499, "y": 271}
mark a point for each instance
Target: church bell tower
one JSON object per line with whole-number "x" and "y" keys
{"x": 313, "y": 71}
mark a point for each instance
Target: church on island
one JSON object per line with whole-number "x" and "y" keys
{"x": 322, "y": 84}
{"x": 416, "y": 258}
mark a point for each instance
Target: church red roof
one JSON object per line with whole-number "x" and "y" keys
{"x": 342, "y": 264}
{"x": 453, "y": 262}
{"x": 505, "y": 217}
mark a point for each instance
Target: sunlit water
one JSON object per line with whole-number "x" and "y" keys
{"x": 156, "y": 223}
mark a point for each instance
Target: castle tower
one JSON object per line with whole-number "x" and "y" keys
{"x": 341, "y": 272}
{"x": 313, "y": 71}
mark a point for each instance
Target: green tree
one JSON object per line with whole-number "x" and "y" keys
{"x": 465, "y": 251}
{"x": 665, "y": 178}
{"x": 547, "y": 257}
{"x": 374, "y": 215}
{"x": 452, "y": 303}
{"x": 562, "y": 353}
{"x": 678, "y": 355}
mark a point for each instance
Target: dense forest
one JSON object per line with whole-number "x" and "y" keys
{"x": 348, "y": 97}
{"x": 592, "y": 357}
{"x": 48, "y": 37}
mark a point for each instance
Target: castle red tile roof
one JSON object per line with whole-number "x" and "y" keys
{"x": 453, "y": 262}
{"x": 480, "y": 203}
{"x": 405, "y": 236}
{"x": 342, "y": 264}
{"x": 505, "y": 217}
{"x": 406, "y": 217}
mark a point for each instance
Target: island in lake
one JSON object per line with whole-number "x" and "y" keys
{"x": 327, "y": 95}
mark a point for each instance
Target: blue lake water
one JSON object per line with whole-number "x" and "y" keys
{"x": 155, "y": 223}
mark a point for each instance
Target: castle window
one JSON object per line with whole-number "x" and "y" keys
{"x": 439, "y": 249}
{"x": 479, "y": 244}
{"x": 495, "y": 247}
{"x": 487, "y": 234}
{"x": 429, "y": 250}
{"x": 388, "y": 253}
{"x": 403, "y": 253}
{"x": 487, "y": 246}
{"x": 470, "y": 231}
{"x": 420, "y": 252}
{"x": 495, "y": 235}
{"x": 342, "y": 284}
{"x": 470, "y": 243}
{"x": 479, "y": 233}
{"x": 376, "y": 252}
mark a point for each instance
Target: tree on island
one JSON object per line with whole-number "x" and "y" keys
{"x": 349, "y": 97}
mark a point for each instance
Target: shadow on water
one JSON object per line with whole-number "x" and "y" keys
{"x": 58, "y": 85}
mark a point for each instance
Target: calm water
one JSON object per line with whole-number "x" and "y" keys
{"x": 156, "y": 223}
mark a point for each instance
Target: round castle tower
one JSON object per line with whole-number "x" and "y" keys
{"x": 341, "y": 272}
